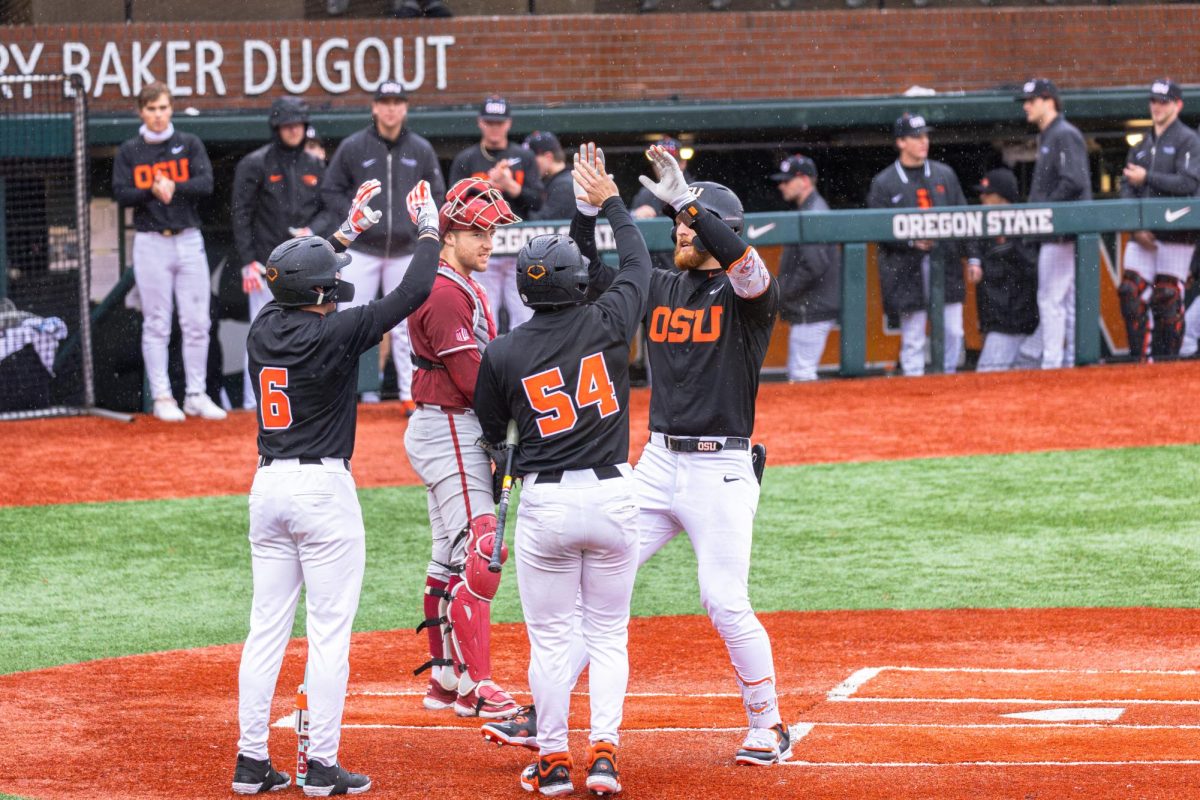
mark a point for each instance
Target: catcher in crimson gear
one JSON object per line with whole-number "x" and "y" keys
{"x": 448, "y": 335}
{"x": 306, "y": 526}
{"x": 564, "y": 377}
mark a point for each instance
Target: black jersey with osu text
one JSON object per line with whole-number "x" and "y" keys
{"x": 304, "y": 365}
{"x": 564, "y": 374}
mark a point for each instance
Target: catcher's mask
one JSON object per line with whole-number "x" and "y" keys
{"x": 474, "y": 204}
{"x": 551, "y": 272}
{"x": 304, "y": 272}
{"x": 717, "y": 199}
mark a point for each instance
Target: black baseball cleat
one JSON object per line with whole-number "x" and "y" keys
{"x": 256, "y": 777}
{"x": 323, "y": 781}
{"x": 520, "y": 731}
{"x": 602, "y": 778}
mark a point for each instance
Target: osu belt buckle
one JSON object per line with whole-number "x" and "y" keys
{"x": 707, "y": 447}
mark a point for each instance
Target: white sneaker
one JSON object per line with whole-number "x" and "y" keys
{"x": 166, "y": 409}
{"x": 765, "y": 746}
{"x": 201, "y": 405}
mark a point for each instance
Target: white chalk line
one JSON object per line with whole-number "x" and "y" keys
{"x": 1024, "y": 701}
{"x": 1000, "y": 725}
{"x": 915, "y": 764}
{"x": 1020, "y": 671}
{"x": 527, "y": 693}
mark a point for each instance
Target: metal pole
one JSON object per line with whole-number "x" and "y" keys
{"x": 937, "y": 311}
{"x": 1087, "y": 299}
{"x": 854, "y": 310}
{"x": 83, "y": 239}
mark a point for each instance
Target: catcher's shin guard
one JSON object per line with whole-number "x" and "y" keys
{"x": 471, "y": 606}
{"x": 437, "y": 623}
{"x": 1134, "y": 293}
{"x": 1166, "y": 302}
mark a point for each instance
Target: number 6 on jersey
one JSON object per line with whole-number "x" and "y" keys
{"x": 559, "y": 414}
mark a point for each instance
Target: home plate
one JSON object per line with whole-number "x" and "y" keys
{"x": 1070, "y": 714}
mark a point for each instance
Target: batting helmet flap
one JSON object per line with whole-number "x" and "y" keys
{"x": 288, "y": 111}
{"x": 304, "y": 271}
{"x": 551, "y": 272}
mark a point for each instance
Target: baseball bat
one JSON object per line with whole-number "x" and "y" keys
{"x": 302, "y": 730}
{"x": 505, "y": 493}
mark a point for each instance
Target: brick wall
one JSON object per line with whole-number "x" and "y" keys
{"x": 576, "y": 59}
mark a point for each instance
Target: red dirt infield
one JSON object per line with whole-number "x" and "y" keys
{"x": 928, "y": 721}
{"x": 165, "y": 725}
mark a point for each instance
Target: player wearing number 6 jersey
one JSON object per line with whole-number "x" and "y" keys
{"x": 564, "y": 377}
{"x": 306, "y": 527}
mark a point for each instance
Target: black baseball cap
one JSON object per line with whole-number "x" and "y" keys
{"x": 1000, "y": 181}
{"x": 1037, "y": 87}
{"x": 910, "y": 125}
{"x": 1165, "y": 89}
{"x": 543, "y": 142}
{"x": 793, "y": 166}
{"x": 494, "y": 109}
{"x": 390, "y": 90}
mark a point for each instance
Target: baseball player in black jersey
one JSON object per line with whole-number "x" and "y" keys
{"x": 564, "y": 377}
{"x": 276, "y": 195}
{"x": 1166, "y": 163}
{"x": 1060, "y": 175}
{"x": 306, "y": 526}
{"x": 512, "y": 169}
{"x": 161, "y": 174}
{"x": 708, "y": 325}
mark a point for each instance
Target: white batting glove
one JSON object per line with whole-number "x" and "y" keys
{"x": 583, "y": 206}
{"x": 422, "y": 210}
{"x": 252, "y": 275}
{"x": 361, "y": 215}
{"x": 670, "y": 188}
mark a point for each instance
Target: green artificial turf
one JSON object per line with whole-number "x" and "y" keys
{"x": 1084, "y": 528}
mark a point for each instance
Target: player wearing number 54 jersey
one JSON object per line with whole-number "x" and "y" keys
{"x": 306, "y": 526}
{"x": 564, "y": 377}
{"x": 708, "y": 325}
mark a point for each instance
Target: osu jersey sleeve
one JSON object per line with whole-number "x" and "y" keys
{"x": 625, "y": 299}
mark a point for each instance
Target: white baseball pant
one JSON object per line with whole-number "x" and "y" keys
{"x": 368, "y": 273}
{"x": 913, "y": 339}
{"x": 306, "y": 529}
{"x": 1169, "y": 258}
{"x": 577, "y": 539}
{"x": 1191, "y": 329}
{"x": 1056, "y": 303}
{"x": 499, "y": 280}
{"x": 457, "y": 474}
{"x": 1004, "y": 351}
{"x": 806, "y": 344}
{"x": 256, "y": 300}
{"x": 714, "y": 497}
{"x": 165, "y": 267}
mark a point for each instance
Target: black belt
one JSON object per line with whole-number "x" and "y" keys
{"x": 167, "y": 231}
{"x": 420, "y": 362}
{"x": 266, "y": 461}
{"x": 556, "y": 475}
{"x": 678, "y": 444}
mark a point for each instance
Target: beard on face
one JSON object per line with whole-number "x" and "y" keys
{"x": 689, "y": 259}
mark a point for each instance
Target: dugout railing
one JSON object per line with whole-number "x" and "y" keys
{"x": 855, "y": 230}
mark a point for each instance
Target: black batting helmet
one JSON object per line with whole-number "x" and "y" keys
{"x": 288, "y": 111}
{"x": 304, "y": 271}
{"x": 551, "y": 272}
{"x": 718, "y": 199}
